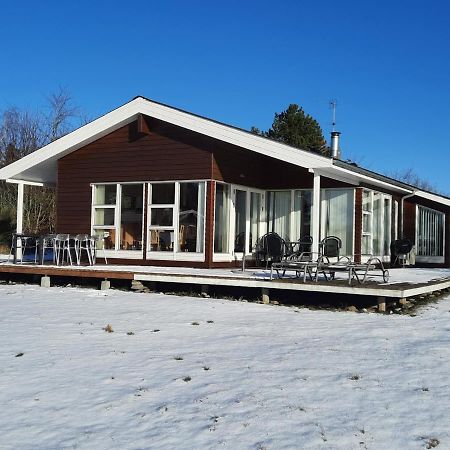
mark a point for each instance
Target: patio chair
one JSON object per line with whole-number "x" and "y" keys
{"x": 400, "y": 249}
{"x": 28, "y": 247}
{"x": 48, "y": 246}
{"x": 63, "y": 248}
{"x": 355, "y": 269}
{"x": 305, "y": 244}
{"x": 270, "y": 247}
{"x": 330, "y": 247}
{"x": 302, "y": 264}
{"x": 82, "y": 242}
{"x": 239, "y": 242}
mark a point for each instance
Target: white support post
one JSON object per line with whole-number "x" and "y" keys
{"x": 316, "y": 213}
{"x": 19, "y": 219}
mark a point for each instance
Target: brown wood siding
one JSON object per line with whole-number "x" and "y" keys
{"x": 447, "y": 240}
{"x": 358, "y": 222}
{"x": 409, "y": 221}
{"x": 121, "y": 157}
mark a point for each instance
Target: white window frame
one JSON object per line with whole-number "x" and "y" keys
{"x": 176, "y": 254}
{"x": 383, "y": 197}
{"x": 323, "y": 212}
{"x": 116, "y": 252}
{"x": 231, "y": 254}
{"x": 427, "y": 258}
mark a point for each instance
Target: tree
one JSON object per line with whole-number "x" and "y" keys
{"x": 294, "y": 127}
{"x": 21, "y": 133}
{"x": 408, "y": 176}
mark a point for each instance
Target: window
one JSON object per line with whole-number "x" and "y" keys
{"x": 337, "y": 216}
{"x": 176, "y": 217}
{"x": 302, "y": 214}
{"x": 222, "y": 218}
{"x": 279, "y": 213}
{"x": 376, "y": 223}
{"x": 117, "y": 216}
{"x": 430, "y": 233}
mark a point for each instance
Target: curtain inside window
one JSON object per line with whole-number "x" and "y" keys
{"x": 338, "y": 220}
{"x": 221, "y": 218}
{"x": 279, "y": 208}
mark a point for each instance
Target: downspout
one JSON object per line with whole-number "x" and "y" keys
{"x": 402, "y": 202}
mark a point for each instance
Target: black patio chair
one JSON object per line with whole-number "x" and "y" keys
{"x": 270, "y": 247}
{"x": 330, "y": 247}
{"x": 305, "y": 244}
{"x": 400, "y": 249}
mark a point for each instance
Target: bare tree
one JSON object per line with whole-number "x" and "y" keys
{"x": 408, "y": 176}
{"x": 21, "y": 133}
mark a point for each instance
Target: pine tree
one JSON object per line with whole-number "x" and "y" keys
{"x": 294, "y": 127}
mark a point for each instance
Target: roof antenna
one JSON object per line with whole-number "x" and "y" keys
{"x": 333, "y": 105}
{"x": 335, "y": 149}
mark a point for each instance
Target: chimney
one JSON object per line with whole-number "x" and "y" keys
{"x": 335, "y": 150}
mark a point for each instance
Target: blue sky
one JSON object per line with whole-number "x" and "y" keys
{"x": 386, "y": 63}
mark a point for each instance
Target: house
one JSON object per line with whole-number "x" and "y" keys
{"x": 162, "y": 186}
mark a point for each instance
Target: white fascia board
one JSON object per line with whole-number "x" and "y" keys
{"x": 29, "y": 183}
{"x": 234, "y": 136}
{"x": 128, "y": 112}
{"x": 335, "y": 176}
{"x": 361, "y": 177}
{"x": 433, "y": 197}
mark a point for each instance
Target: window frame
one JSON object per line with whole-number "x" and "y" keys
{"x": 434, "y": 259}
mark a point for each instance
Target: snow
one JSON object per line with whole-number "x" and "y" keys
{"x": 261, "y": 376}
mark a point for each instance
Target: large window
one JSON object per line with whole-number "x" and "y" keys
{"x": 376, "y": 223}
{"x": 176, "y": 217}
{"x": 222, "y": 218}
{"x": 279, "y": 213}
{"x": 430, "y": 233}
{"x": 337, "y": 216}
{"x": 117, "y": 216}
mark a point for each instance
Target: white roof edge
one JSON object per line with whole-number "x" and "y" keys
{"x": 128, "y": 112}
{"x": 433, "y": 197}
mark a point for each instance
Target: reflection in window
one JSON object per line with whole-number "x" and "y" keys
{"x": 131, "y": 217}
{"x": 430, "y": 232}
{"x": 162, "y": 240}
{"x": 191, "y": 217}
{"x": 105, "y": 194}
{"x": 279, "y": 209}
{"x": 221, "y": 218}
{"x": 106, "y": 238}
{"x": 161, "y": 217}
{"x": 163, "y": 193}
{"x": 302, "y": 214}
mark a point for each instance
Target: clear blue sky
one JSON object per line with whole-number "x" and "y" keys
{"x": 387, "y": 63}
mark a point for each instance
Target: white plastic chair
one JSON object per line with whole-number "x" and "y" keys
{"x": 62, "y": 247}
{"x": 83, "y": 242}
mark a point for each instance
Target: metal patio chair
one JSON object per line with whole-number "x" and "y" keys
{"x": 63, "y": 248}
{"x": 82, "y": 242}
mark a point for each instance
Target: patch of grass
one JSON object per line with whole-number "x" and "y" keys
{"x": 19, "y": 355}
{"x": 206, "y": 368}
{"x": 195, "y": 323}
{"x": 187, "y": 379}
{"x": 130, "y": 333}
{"x": 178, "y": 358}
{"x": 210, "y": 321}
{"x": 354, "y": 377}
{"x": 156, "y": 330}
{"x": 108, "y": 328}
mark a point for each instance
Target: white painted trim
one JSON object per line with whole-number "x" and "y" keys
{"x": 175, "y": 256}
{"x": 430, "y": 259}
{"x": 122, "y": 254}
{"x": 222, "y": 257}
{"x": 29, "y": 183}
{"x": 315, "y": 214}
{"x": 19, "y": 212}
{"x": 433, "y": 197}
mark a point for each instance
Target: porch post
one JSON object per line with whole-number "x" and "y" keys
{"x": 19, "y": 216}
{"x": 316, "y": 213}
{"x": 19, "y": 219}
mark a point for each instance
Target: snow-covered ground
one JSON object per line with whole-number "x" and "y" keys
{"x": 182, "y": 373}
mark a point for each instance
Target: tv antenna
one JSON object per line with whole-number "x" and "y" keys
{"x": 333, "y": 105}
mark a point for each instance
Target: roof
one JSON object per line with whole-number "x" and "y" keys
{"x": 41, "y": 166}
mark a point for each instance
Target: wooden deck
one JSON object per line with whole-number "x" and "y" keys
{"x": 405, "y": 283}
